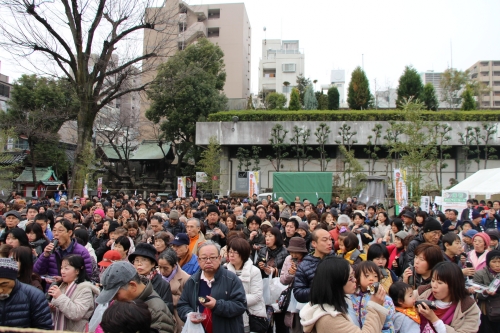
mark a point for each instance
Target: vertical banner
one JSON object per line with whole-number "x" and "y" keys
{"x": 181, "y": 187}
{"x": 253, "y": 183}
{"x": 400, "y": 190}
{"x": 99, "y": 188}
{"x": 455, "y": 200}
{"x": 85, "y": 188}
{"x": 193, "y": 190}
{"x": 425, "y": 202}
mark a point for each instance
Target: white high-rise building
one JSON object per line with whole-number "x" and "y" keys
{"x": 435, "y": 79}
{"x": 282, "y": 61}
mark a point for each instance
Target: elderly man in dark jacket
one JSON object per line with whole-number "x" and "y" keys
{"x": 21, "y": 305}
{"x": 214, "y": 291}
{"x": 322, "y": 243}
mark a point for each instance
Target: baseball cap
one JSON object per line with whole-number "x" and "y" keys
{"x": 180, "y": 239}
{"x": 470, "y": 233}
{"x": 110, "y": 257}
{"x": 116, "y": 276}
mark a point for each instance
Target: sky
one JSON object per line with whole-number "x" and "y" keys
{"x": 387, "y": 34}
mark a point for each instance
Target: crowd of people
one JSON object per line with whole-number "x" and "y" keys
{"x": 131, "y": 264}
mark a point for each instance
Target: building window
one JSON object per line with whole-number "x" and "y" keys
{"x": 497, "y": 103}
{"x": 288, "y": 68}
{"x": 496, "y": 83}
{"x": 485, "y": 73}
{"x": 496, "y": 93}
{"x": 213, "y": 14}
{"x": 496, "y": 73}
{"x": 4, "y": 90}
{"x": 496, "y": 63}
{"x": 486, "y": 103}
{"x": 213, "y": 32}
{"x": 485, "y": 63}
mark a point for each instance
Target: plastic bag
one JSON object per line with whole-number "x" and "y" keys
{"x": 190, "y": 327}
{"x": 265, "y": 291}
{"x": 97, "y": 316}
{"x": 275, "y": 289}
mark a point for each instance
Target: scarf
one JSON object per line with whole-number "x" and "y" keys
{"x": 446, "y": 316}
{"x": 59, "y": 318}
{"x": 151, "y": 275}
{"x": 192, "y": 242}
{"x": 410, "y": 312}
{"x": 171, "y": 276}
{"x": 186, "y": 259}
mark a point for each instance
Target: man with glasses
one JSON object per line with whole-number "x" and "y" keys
{"x": 187, "y": 260}
{"x": 121, "y": 282}
{"x": 215, "y": 292}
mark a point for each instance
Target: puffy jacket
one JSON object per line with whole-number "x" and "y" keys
{"x": 252, "y": 283}
{"x": 227, "y": 289}
{"x": 303, "y": 278}
{"x": 419, "y": 239}
{"x": 279, "y": 254}
{"x": 26, "y": 307}
{"x": 52, "y": 265}
{"x": 175, "y": 229}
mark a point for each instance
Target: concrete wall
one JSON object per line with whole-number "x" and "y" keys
{"x": 258, "y": 133}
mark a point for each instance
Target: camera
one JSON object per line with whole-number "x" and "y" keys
{"x": 373, "y": 288}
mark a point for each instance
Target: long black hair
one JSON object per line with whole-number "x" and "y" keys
{"x": 327, "y": 286}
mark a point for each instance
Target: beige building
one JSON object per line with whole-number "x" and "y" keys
{"x": 488, "y": 73}
{"x": 5, "y": 87}
{"x": 226, "y": 25}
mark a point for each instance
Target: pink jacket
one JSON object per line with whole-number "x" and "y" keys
{"x": 477, "y": 263}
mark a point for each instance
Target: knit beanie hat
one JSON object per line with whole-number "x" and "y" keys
{"x": 485, "y": 237}
{"x": 212, "y": 209}
{"x": 432, "y": 225}
{"x": 491, "y": 255}
{"x": 99, "y": 212}
{"x": 8, "y": 269}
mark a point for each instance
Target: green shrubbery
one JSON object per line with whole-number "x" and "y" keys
{"x": 351, "y": 115}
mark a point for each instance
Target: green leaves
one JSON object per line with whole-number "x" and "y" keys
{"x": 359, "y": 96}
{"x": 410, "y": 86}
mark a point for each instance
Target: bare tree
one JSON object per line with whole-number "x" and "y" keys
{"x": 96, "y": 45}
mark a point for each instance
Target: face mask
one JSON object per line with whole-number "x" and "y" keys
{"x": 4, "y": 296}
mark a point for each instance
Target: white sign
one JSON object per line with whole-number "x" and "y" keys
{"x": 424, "y": 203}
{"x": 438, "y": 200}
{"x": 455, "y": 200}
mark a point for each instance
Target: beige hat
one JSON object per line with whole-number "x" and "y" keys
{"x": 142, "y": 211}
{"x": 266, "y": 223}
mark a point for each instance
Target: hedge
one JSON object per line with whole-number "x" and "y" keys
{"x": 351, "y": 115}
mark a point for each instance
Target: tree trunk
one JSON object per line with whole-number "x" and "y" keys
{"x": 85, "y": 123}
{"x": 33, "y": 162}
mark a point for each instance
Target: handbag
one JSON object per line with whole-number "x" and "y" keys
{"x": 257, "y": 324}
{"x": 284, "y": 299}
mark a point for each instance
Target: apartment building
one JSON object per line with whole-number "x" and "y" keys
{"x": 487, "y": 72}
{"x": 282, "y": 61}
{"x": 226, "y": 25}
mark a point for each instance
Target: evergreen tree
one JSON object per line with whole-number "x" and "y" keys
{"x": 468, "y": 101}
{"x": 333, "y": 98}
{"x": 359, "y": 96}
{"x": 275, "y": 101}
{"x": 310, "y": 101}
{"x": 322, "y": 100}
{"x": 302, "y": 84}
{"x": 294, "y": 100}
{"x": 410, "y": 86}
{"x": 429, "y": 97}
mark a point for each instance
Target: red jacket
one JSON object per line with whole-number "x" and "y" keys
{"x": 393, "y": 252}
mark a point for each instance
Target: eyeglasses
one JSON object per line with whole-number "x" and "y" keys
{"x": 232, "y": 252}
{"x": 205, "y": 259}
{"x": 140, "y": 261}
{"x": 352, "y": 278}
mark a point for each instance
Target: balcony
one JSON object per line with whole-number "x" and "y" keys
{"x": 192, "y": 33}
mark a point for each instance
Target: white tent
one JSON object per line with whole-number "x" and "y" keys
{"x": 483, "y": 182}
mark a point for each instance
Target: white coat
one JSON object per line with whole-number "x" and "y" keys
{"x": 252, "y": 283}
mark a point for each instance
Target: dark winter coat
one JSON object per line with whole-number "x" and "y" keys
{"x": 303, "y": 278}
{"x": 279, "y": 254}
{"x": 52, "y": 265}
{"x": 175, "y": 229}
{"x": 26, "y": 307}
{"x": 162, "y": 288}
{"x": 227, "y": 289}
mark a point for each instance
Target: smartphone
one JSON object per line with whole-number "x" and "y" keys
{"x": 468, "y": 264}
{"x": 295, "y": 260}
